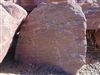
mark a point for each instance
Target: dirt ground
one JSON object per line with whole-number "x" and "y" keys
{"x": 12, "y": 67}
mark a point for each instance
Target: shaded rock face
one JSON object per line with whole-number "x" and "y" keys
{"x": 10, "y": 18}
{"x": 97, "y": 37}
{"x": 28, "y": 5}
{"x": 92, "y": 13}
{"x": 54, "y": 34}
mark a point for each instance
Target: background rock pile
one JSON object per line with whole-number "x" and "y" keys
{"x": 54, "y": 37}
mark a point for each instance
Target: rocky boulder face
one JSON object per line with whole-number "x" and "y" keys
{"x": 54, "y": 34}
{"x": 92, "y": 13}
{"x": 91, "y": 9}
{"x": 10, "y": 18}
{"x": 31, "y": 4}
{"x": 49, "y": 1}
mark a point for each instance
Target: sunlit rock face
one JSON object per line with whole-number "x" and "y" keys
{"x": 91, "y": 9}
{"x": 14, "y": 1}
{"x": 86, "y": 1}
{"x": 54, "y": 34}
{"x": 11, "y": 15}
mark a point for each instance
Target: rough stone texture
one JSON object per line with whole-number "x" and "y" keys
{"x": 30, "y": 4}
{"x": 92, "y": 69}
{"x": 54, "y": 34}
{"x": 97, "y": 37}
{"x": 47, "y": 1}
{"x": 92, "y": 13}
{"x": 86, "y": 1}
{"x": 11, "y": 15}
{"x": 14, "y": 1}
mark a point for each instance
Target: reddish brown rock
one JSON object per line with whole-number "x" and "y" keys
{"x": 54, "y": 34}
{"x": 10, "y": 18}
{"x": 47, "y": 1}
{"x": 28, "y": 5}
{"x": 31, "y": 4}
{"x": 97, "y": 37}
{"x": 92, "y": 13}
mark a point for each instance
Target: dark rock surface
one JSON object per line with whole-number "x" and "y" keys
{"x": 97, "y": 37}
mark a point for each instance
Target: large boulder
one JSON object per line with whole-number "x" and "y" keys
{"x": 11, "y": 15}
{"x": 54, "y": 34}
